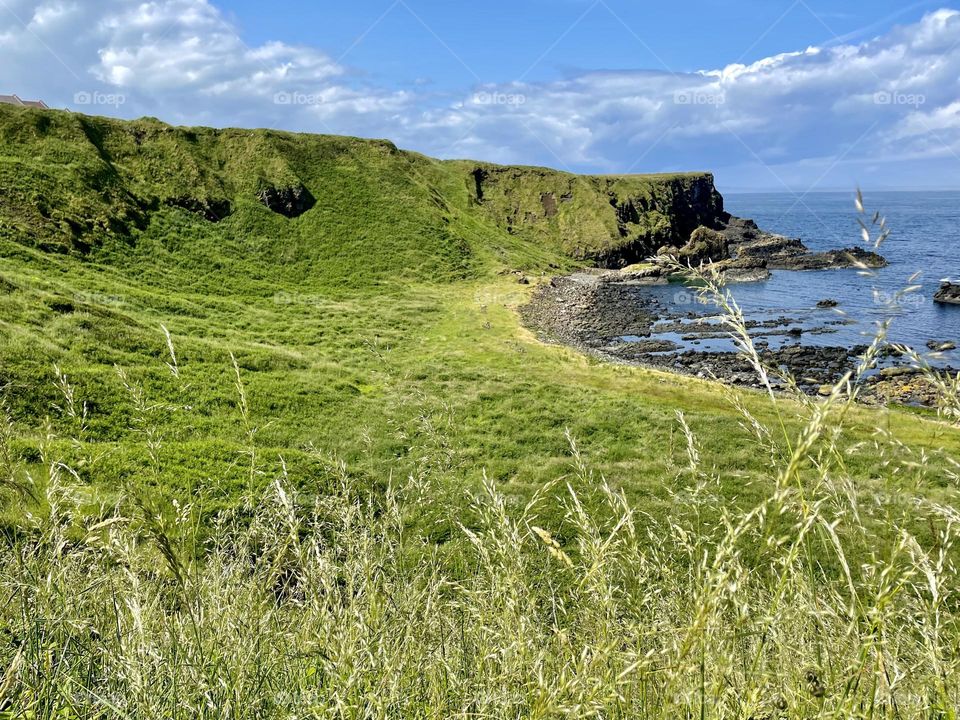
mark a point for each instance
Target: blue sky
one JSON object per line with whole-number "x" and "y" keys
{"x": 795, "y": 95}
{"x": 501, "y": 40}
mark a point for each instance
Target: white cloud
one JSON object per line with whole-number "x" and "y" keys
{"x": 179, "y": 59}
{"x": 789, "y": 116}
{"x": 822, "y": 114}
{"x": 187, "y": 45}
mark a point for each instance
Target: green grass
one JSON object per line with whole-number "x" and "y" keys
{"x": 367, "y": 359}
{"x": 384, "y": 381}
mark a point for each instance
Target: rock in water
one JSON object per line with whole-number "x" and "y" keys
{"x": 948, "y": 294}
{"x": 832, "y": 259}
{"x": 941, "y": 345}
{"x": 784, "y": 253}
{"x": 743, "y": 269}
{"x": 829, "y": 303}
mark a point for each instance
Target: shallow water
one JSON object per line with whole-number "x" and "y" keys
{"x": 925, "y": 237}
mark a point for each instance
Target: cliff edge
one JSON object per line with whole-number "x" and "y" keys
{"x": 74, "y": 183}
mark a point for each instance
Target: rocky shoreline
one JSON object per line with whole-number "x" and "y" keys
{"x": 741, "y": 252}
{"x": 607, "y": 315}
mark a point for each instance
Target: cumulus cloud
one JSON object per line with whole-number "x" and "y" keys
{"x": 178, "y": 59}
{"x": 821, "y": 114}
{"x": 889, "y": 98}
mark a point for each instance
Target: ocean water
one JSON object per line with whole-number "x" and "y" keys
{"x": 925, "y": 237}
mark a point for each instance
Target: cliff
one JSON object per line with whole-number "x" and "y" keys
{"x": 613, "y": 220}
{"x": 74, "y": 183}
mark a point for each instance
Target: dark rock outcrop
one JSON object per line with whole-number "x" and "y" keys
{"x": 209, "y": 209}
{"x": 744, "y": 253}
{"x": 948, "y": 294}
{"x": 638, "y": 275}
{"x": 479, "y": 176}
{"x": 290, "y": 202}
{"x": 549, "y": 202}
{"x": 853, "y": 257}
{"x": 743, "y": 269}
{"x": 740, "y": 230}
{"x": 784, "y": 253}
{"x": 772, "y": 248}
{"x": 705, "y": 246}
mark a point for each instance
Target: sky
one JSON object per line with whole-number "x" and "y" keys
{"x": 770, "y": 95}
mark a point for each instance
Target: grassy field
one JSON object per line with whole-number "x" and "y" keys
{"x": 315, "y": 467}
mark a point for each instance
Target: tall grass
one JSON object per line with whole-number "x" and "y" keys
{"x": 314, "y": 600}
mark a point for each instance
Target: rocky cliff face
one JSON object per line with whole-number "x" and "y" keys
{"x": 612, "y": 220}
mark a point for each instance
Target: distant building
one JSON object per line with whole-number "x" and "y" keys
{"x": 14, "y": 100}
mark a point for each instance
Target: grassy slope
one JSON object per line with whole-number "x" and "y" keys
{"x": 375, "y": 327}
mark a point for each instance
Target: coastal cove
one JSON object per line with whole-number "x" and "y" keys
{"x": 265, "y": 384}
{"x": 814, "y": 323}
{"x": 417, "y": 361}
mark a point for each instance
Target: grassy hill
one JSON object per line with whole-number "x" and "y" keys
{"x": 111, "y": 229}
{"x": 75, "y": 183}
{"x": 177, "y": 358}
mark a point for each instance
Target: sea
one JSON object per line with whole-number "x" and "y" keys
{"x": 923, "y": 249}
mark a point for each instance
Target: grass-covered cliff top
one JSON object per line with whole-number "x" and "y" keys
{"x": 72, "y": 182}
